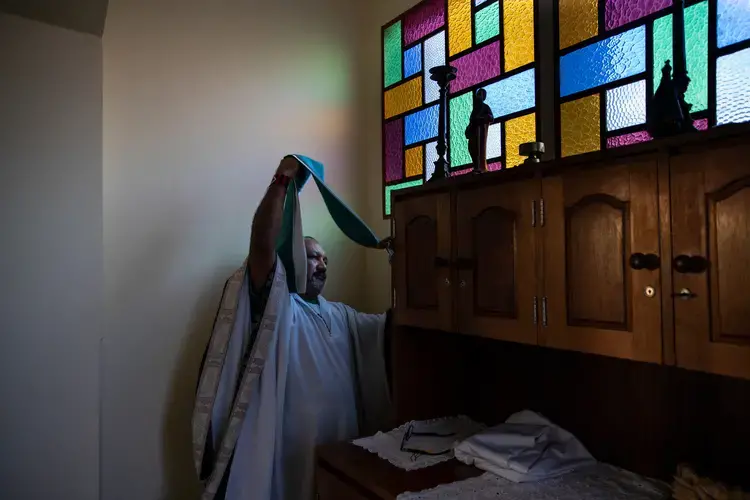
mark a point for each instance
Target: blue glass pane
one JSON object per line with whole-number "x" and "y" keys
{"x": 733, "y": 88}
{"x": 413, "y": 60}
{"x": 732, "y": 21}
{"x": 422, "y": 125}
{"x": 626, "y": 105}
{"x": 434, "y": 55}
{"x": 603, "y": 62}
{"x": 513, "y": 94}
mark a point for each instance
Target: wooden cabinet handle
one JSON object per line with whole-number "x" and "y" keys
{"x": 650, "y": 261}
{"x": 687, "y": 264}
{"x": 442, "y": 262}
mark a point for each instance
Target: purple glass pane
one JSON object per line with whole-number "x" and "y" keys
{"x": 456, "y": 173}
{"x": 476, "y": 67}
{"x": 423, "y": 20}
{"x": 620, "y": 12}
{"x": 628, "y": 139}
{"x": 494, "y": 166}
{"x": 394, "y": 150}
{"x": 701, "y": 124}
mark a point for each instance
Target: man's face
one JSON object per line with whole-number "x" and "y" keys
{"x": 317, "y": 264}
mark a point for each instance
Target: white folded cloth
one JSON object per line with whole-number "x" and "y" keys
{"x": 527, "y": 447}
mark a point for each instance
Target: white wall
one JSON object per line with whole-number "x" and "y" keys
{"x": 50, "y": 261}
{"x": 201, "y": 100}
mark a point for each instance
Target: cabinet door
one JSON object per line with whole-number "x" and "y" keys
{"x": 421, "y": 270}
{"x": 594, "y": 301}
{"x": 711, "y": 225}
{"x": 497, "y": 261}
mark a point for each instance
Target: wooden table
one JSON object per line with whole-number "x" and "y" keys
{"x": 348, "y": 472}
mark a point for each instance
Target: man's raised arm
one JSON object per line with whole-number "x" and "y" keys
{"x": 267, "y": 223}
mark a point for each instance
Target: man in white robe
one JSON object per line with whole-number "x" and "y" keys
{"x": 284, "y": 372}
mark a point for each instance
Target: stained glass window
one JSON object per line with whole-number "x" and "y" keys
{"x": 492, "y": 44}
{"x": 609, "y": 61}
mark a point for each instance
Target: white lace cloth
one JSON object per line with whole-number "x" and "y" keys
{"x": 387, "y": 445}
{"x": 597, "y": 482}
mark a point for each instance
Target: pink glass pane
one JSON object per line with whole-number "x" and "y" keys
{"x": 701, "y": 124}
{"x": 476, "y": 67}
{"x": 491, "y": 167}
{"x": 620, "y": 12}
{"x": 394, "y": 150}
{"x": 628, "y": 139}
{"x": 423, "y": 20}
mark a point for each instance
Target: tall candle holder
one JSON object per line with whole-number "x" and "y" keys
{"x": 443, "y": 75}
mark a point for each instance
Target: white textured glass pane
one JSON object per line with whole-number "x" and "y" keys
{"x": 430, "y": 157}
{"x": 479, "y": 2}
{"x": 733, "y": 88}
{"x": 626, "y": 105}
{"x": 434, "y": 55}
{"x": 512, "y": 94}
{"x": 495, "y": 141}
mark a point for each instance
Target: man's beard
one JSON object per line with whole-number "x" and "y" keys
{"x": 316, "y": 283}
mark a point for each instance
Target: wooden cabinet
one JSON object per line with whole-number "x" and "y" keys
{"x": 643, "y": 258}
{"x": 595, "y": 299}
{"x": 710, "y": 194}
{"x": 421, "y": 269}
{"x": 496, "y": 261}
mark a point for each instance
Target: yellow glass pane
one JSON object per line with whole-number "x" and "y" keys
{"x": 403, "y": 98}
{"x": 459, "y": 26}
{"x": 414, "y": 163}
{"x": 579, "y": 20}
{"x": 579, "y": 125}
{"x": 518, "y": 22}
{"x": 518, "y": 131}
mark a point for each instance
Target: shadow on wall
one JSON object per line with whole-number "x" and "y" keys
{"x": 177, "y": 455}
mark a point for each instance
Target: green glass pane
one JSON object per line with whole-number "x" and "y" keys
{"x": 396, "y": 187}
{"x": 392, "y": 53}
{"x": 662, "y": 46}
{"x": 460, "y": 110}
{"x": 487, "y": 23}
{"x": 696, "y": 49}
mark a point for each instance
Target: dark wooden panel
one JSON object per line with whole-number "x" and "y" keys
{"x": 596, "y": 228}
{"x": 494, "y": 235}
{"x": 421, "y": 250}
{"x": 381, "y": 480}
{"x": 710, "y": 193}
{"x": 729, "y": 232}
{"x": 641, "y": 416}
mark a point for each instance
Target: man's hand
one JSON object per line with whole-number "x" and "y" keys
{"x": 387, "y": 245}
{"x": 288, "y": 167}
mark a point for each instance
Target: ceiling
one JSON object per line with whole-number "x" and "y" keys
{"x": 86, "y": 16}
